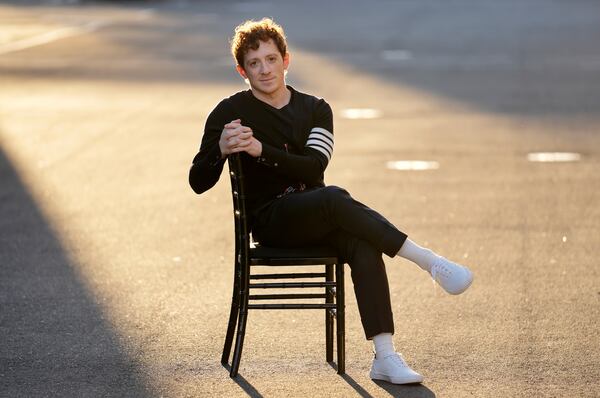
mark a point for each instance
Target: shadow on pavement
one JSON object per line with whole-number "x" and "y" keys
{"x": 357, "y": 387}
{"x": 54, "y": 340}
{"x": 406, "y": 391}
{"x": 244, "y": 384}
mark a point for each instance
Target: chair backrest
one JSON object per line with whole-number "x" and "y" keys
{"x": 238, "y": 193}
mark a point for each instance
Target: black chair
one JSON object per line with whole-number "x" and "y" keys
{"x": 248, "y": 258}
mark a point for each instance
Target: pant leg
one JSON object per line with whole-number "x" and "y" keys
{"x": 370, "y": 282}
{"x": 307, "y": 217}
{"x": 331, "y": 216}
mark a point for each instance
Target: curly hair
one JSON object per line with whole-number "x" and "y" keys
{"x": 249, "y": 34}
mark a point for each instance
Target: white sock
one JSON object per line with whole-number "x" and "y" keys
{"x": 384, "y": 345}
{"x": 421, "y": 256}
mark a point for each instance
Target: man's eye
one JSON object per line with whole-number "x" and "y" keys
{"x": 272, "y": 59}
{"x": 253, "y": 64}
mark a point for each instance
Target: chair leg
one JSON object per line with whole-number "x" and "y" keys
{"x": 233, "y": 316}
{"x": 341, "y": 319}
{"x": 241, "y": 331}
{"x": 329, "y": 315}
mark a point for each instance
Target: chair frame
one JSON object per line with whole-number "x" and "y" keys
{"x": 246, "y": 257}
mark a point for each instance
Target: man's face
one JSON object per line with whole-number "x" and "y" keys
{"x": 265, "y": 68}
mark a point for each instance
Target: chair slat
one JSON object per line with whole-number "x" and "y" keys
{"x": 290, "y": 276}
{"x": 285, "y": 285}
{"x": 289, "y": 306}
{"x": 292, "y": 261}
{"x": 287, "y": 296}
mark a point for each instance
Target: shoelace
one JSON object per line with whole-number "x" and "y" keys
{"x": 397, "y": 358}
{"x": 439, "y": 268}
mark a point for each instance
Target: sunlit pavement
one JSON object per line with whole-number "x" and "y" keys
{"x": 455, "y": 120}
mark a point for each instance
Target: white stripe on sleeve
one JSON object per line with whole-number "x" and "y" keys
{"x": 322, "y": 150}
{"x": 321, "y": 137}
{"x": 321, "y": 140}
{"x": 317, "y": 142}
{"x": 322, "y": 131}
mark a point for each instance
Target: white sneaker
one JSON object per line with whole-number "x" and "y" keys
{"x": 454, "y": 278}
{"x": 394, "y": 369}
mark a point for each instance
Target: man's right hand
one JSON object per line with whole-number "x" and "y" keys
{"x": 234, "y": 137}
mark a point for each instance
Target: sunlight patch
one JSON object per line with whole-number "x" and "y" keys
{"x": 361, "y": 113}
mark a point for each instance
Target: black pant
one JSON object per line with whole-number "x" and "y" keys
{"x": 329, "y": 215}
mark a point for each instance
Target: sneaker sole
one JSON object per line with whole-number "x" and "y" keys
{"x": 408, "y": 380}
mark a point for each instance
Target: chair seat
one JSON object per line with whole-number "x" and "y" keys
{"x": 306, "y": 255}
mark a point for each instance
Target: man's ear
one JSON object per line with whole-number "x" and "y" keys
{"x": 241, "y": 71}
{"x": 286, "y": 61}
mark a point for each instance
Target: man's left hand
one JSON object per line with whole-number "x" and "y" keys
{"x": 245, "y": 141}
{"x": 250, "y": 145}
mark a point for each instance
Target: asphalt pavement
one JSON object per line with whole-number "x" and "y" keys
{"x": 115, "y": 278}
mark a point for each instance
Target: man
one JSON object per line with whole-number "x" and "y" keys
{"x": 286, "y": 140}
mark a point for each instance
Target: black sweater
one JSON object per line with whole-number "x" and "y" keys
{"x": 297, "y": 144}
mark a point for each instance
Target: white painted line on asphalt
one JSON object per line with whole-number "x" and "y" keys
{"x": 361, "y": 113}
{"x": 417, "y": 165}
{"x": 553, "y": 157}
{"x": 396, "y": 55}
{"x": 49, "y": 37}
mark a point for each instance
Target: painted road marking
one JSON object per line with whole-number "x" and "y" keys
{"x": 553, "y": 157}
{"x": 413, "y": 165}
{"x": 49, "y": 37}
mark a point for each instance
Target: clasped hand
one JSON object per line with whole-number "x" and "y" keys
{"x": 238, "y": 138}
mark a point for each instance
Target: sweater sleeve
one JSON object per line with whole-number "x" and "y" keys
{"x": 208, "y": 163}
{"x": 318, "y": 149}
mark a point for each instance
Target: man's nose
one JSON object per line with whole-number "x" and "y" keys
{"x": 265, "y": 68}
